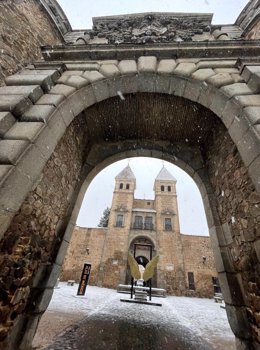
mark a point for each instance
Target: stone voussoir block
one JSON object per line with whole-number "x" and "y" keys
{"x": 54, "y": 74}
{"x": 24, "y": 131}
{"x": 220, "y": 79}
{"x": 236, "y": 89}
{"x": 147, "y": 64}
{"x": 61, "y": 89}
{"x": 203, "y": 74}
{"x": 127, "y": 67}
{"x": 93, "y": 76}
{"x": 44, "y": 81}
{"x": 109, "y": 70}
{"x": 38, "y": 113}
{"x": 248, "y": 100}
{"x": 75, "y": 81}
{"x": 17, "y": 104}
{"x": 166, "y": 66}
{"x": 254, "y": 172}
{"x": 248, "y": 71}
{"x": 34, "y": 92}
{"x": 253, "y": 114}
{"x": 7, "y": 120}
{"x": 4, "y": 170}
{"x": 11, "y": 150}
{"x": 254, "y": 82}
{"x": 50, "y": 99}
{"x": 249, "y": 146}
{"x": 185, "y": 69}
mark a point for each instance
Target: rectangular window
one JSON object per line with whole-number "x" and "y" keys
{"x": 169, "y": 188}
{"x": 191, "y": 280}
{"x": 168, "y": 224}
{"x": 138, "y": 223}
{"x": 148, "y": 223}
{"x": 119, "y": 220}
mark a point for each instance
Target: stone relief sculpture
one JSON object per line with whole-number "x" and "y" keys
{"x": 150, "y": 28}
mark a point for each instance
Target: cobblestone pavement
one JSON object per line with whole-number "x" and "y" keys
{"x": 114, "y": 325}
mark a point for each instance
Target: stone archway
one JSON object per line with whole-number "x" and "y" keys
{"x": 35, "y": 242}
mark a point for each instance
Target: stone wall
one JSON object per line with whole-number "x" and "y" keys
{"x": 238, "y": 210}
{"x": 194, "y": 249}
{"x": 86, "y": 246}
{"x": 30, "y": 245}
{"x": 25, "y": 26}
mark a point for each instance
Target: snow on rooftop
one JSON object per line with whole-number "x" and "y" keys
{"x": 165, "y": 175}
{"x": 126, "y": 174}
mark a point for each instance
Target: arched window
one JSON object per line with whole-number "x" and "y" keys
{"x": 121, "y": 186}
{"x": 169, "y": 188}
{"x": 127, "y": 186}
{"x": 162, "y": 188}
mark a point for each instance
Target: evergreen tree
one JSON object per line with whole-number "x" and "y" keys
{"x": 104, "y": 219}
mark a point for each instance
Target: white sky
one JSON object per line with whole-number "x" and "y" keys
{"x": 99, "y": 193}
{"x": 80, "y": 12}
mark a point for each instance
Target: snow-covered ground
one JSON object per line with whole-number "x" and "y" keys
{"x": 202, "y": 318}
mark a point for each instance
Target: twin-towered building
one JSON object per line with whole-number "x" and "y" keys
{"x": 186, "y": 265}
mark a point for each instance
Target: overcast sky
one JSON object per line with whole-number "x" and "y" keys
{"x": 99, "y": 193}
{"x": 80, "y": 12}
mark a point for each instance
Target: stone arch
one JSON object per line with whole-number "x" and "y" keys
{"x": 21, "y": 173}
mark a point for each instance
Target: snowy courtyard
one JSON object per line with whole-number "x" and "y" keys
{"x": 100, "y": 321}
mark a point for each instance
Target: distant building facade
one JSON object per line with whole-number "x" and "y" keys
{"x": 186, "y": 264}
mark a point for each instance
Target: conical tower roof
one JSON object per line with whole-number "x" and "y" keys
{"x": 165, "y": 175}
{"x": 126, "y": 174}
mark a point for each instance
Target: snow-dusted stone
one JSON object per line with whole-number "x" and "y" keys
{"x": 253, "y": 114}
{"x": 24, "y": 131}
{"x": 166, "y": 66}
{"x": 49, "y": 99}
{"x": 10, "y": 150}
{"x": 44, "y": 81}
{"x": 227, "y": 70}
{"x": 38, "y": 113}
{"x": 93, "y": 76}
{"x": 254, "y": 82}
{"x": 248, "y": 71}
{"x": 7, "y": 120}
{"x": 34, "y": 92}
{"x": 54, "y": 74}
{"x": 17, "y": 104}
{"x": 75, "y": 81}
{"x": 216, "y": 64}
{"x": 127, "y": 67}
{"x": 147, "y": 64}
{"x": 185, "y": 69}
{"x": 249, "y": 100}
{"x": 82, "y": 66}
{"x": 220, "y": 79}
{"x": 61, "y": 89}
{"x": 236, "y": 89}
{"x": 109, "y": 70}
{"x": 203, "y": 74}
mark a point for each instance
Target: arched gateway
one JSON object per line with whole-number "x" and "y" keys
{"x": 169, "y": 86}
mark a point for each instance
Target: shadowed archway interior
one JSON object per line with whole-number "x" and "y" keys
{"x": 174, "y": 128}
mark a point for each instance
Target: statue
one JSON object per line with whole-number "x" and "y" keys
{"x": 141, "y": 273}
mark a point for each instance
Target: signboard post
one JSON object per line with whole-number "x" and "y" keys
{"x": 84, "y": 279}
